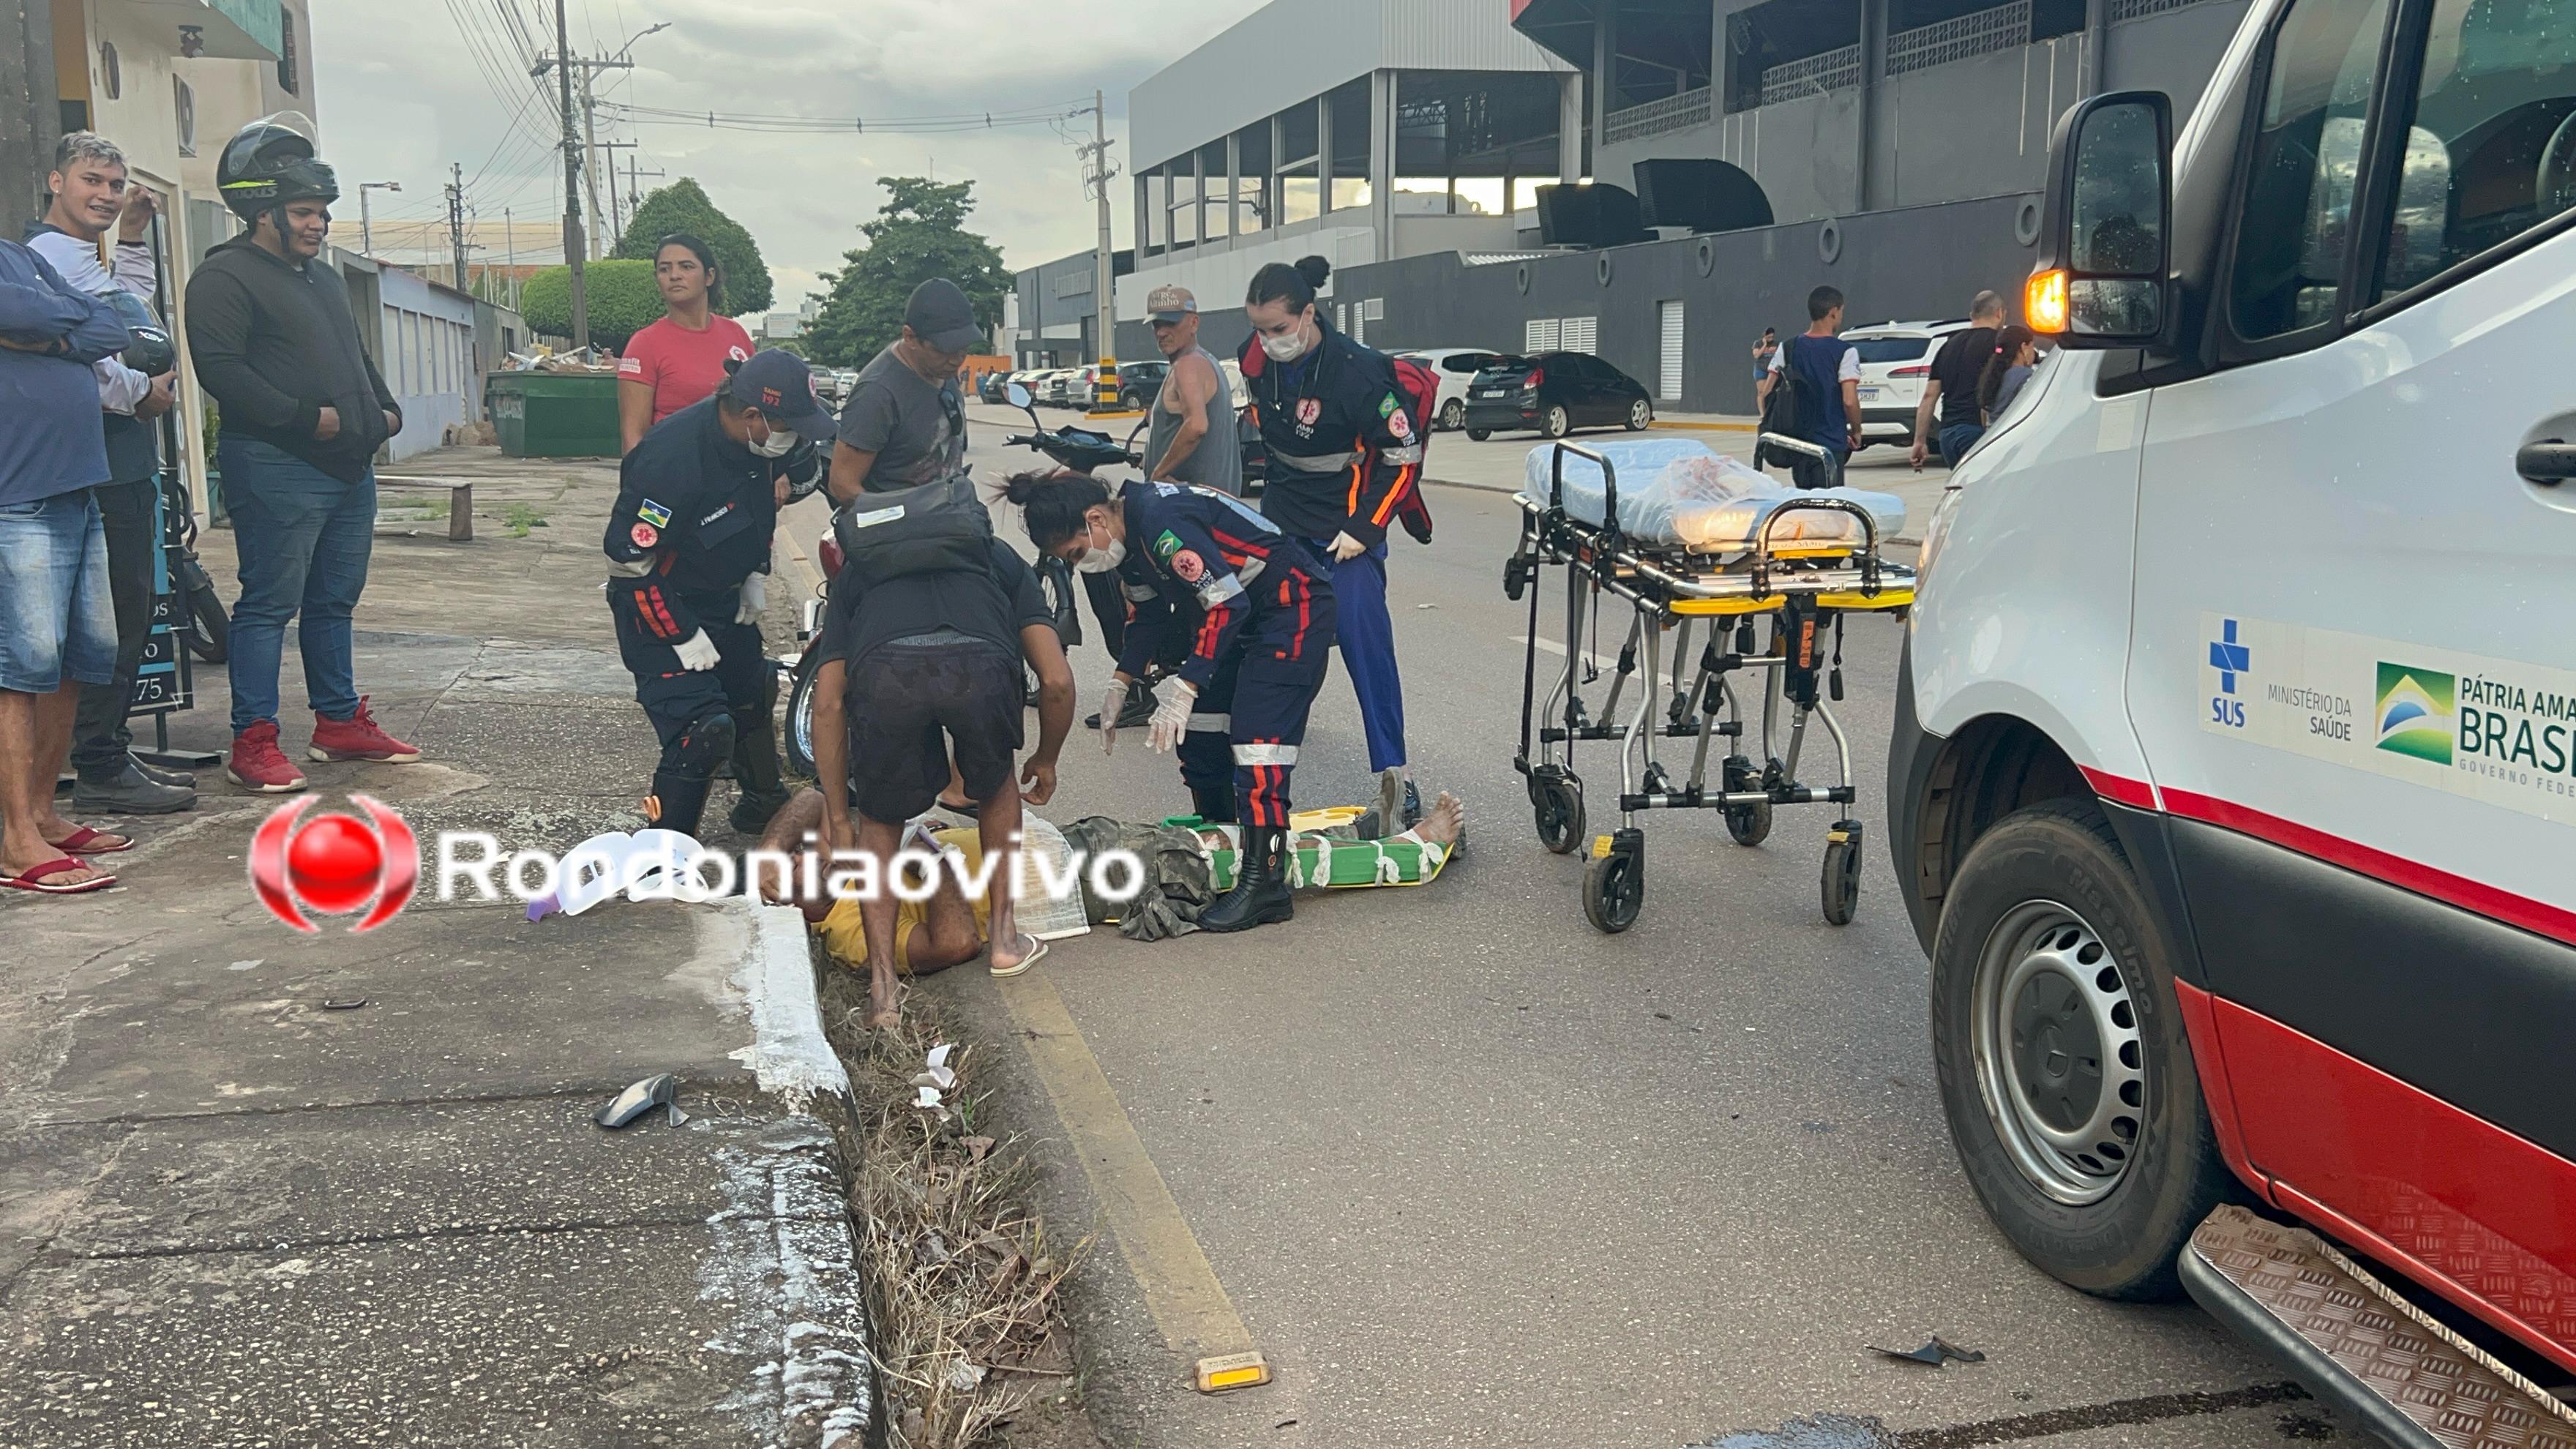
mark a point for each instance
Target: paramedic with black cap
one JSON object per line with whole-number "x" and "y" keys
{"x": 686, "y": 544}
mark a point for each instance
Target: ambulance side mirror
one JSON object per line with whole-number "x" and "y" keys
{"x": 2104, "y": 274}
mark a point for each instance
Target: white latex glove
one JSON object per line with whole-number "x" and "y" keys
{"x": 1172, "y": 717}
{"x": 1346, "y": 548}
{"x": 697, "y": 652}
{"x": 1110, "y": 705}
{"x": 755, "y": 598}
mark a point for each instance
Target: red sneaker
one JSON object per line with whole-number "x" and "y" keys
{"x": 357, "y": 738}
{"x": 258, "y": 765}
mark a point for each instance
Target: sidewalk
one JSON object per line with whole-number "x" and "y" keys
{"x": 233, "y": 1214}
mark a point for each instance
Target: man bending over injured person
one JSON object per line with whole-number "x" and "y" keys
{"x": 945, "y": 930}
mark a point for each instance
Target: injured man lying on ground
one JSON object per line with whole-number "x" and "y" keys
{"x": 1187, "y": 865}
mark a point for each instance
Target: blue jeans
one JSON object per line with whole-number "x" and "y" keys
{"x": 1957, "y": 439}
{"x": 1366, "y": 636}
{"x": 57, "y": 620}
{"x": 303, "y": 538}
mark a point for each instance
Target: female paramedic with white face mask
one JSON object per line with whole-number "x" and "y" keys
{"x": 1236, "y": 709}
{"x": 1344, "y": 458}
{"x": 697, "y": 501}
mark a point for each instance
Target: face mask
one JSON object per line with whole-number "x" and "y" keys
{"x": 1285, "y": 349}
{"x": 1101, "y": 558}
{"x": 778, "y": 444}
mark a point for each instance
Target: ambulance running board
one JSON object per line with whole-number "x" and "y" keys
{"x": 2358, "y": 1345}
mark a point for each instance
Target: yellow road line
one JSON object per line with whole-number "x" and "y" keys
{"x": 1181, "y": 1291}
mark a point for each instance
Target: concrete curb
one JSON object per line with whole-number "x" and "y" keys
{"x": 787, "y": 1254}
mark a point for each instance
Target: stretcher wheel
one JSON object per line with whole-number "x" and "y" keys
{"x": 1840, "y": 877}
{"x": 1614, "y": 890}
{"x": 1559, "y": 809}
{"x": 1749, "y": 824}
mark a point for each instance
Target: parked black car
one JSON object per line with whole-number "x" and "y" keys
{"x": 1555, "y": 393}
{"x": 1140, "y": 383}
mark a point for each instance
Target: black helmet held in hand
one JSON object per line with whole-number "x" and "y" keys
{"x": 271, "y": 162}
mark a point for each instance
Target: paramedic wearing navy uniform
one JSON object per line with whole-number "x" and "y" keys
{"x": 1238, "y": 703}
{"x": 687, "y": 546}
{"x": 1344, "y": 460}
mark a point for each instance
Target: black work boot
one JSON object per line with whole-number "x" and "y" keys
{"x": 1136, "y": 713}
{"x": 677, "y": 802}
{"x": 128, "y": 791}
{"x": 1260, "y": 895}
{"x": 762, "y": 793}
{"x": 1213, "y": 807}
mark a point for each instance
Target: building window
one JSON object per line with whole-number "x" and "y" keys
{"x": 186, "y": 111}
{"x": 286, "y": 51}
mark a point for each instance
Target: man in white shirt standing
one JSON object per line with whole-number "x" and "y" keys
{"x": 91, "y": 196}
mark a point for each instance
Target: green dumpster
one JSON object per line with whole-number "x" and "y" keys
{"x": 554, "y": 414}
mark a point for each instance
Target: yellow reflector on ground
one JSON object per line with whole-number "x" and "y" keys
{"x": 1232, "y": 1371}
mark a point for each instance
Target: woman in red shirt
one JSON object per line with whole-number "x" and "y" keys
{"x": 680, "y": 359}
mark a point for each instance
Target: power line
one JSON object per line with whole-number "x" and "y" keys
{"x": 852, "y": 125}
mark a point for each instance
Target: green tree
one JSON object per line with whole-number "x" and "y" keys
{"x": 683, "y": 206}
{"x": 622, "y": 296}
{"x": 921, "y": 233}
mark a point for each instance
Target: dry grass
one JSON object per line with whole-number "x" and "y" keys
{"x": 963, "y": 1277}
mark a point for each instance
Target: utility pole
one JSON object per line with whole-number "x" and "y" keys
{"x": 1106, "y": 263}
{"x": 616, "y": 214}
{"x": 456, "y": 218}
{"x": 572, "y": 185}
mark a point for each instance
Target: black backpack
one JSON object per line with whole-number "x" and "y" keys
{"x": 940, "y": 527}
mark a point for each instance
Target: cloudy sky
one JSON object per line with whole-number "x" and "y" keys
{"x": 402, "y": 90}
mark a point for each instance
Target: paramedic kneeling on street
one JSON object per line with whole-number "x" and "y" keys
{"x": 686, "y": 544}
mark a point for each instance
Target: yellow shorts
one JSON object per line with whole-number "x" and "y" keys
{"x": 846, "y": 940}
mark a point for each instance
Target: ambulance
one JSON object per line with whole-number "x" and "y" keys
{"x": 2234, "y": 765}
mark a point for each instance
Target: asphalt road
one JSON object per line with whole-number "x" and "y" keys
{"x": 1469, "y": 1172}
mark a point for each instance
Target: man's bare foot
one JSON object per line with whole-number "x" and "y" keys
{"x": 885, "y": 1001}
{"x": 1444, "y": 824}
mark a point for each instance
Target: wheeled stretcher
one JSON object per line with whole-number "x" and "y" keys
{"x": 1761, "y": 580}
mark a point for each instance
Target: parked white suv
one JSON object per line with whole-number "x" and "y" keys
{"x": 1455, "y": 367}
{"x": 2234, "y": 760}
{"x": 1895, "y": 362}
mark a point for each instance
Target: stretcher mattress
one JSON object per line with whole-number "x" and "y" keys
{"x": 1676, "y": 493}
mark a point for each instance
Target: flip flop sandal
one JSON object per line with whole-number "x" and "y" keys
{"x": 1027, "y": 961}
{"x": 34, "y": 878}
{"x": 85, "y": 841}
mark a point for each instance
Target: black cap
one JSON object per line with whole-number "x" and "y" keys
{"x": 779, "y": 384}
{"x": 940, "y": 315}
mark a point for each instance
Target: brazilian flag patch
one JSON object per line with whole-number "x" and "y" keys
{"x": 1166, "y": 544}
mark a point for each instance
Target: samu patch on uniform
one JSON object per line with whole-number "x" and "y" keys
{"x": 1166, "y": 544}
{"x": 1188, "y": 566}
{"x": 645, "y": 535}
{"x": 654, "y": 514}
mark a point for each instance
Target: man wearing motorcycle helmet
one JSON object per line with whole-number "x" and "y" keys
{"x": 303, "y": 412}
{"x": 91, "y": 195}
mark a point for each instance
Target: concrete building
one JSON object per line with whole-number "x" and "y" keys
{"x": 1901, "y": 147}
{"x": 1359, "y": 130}
{"x": 1844, "y": 106}
{"x": 1051, "y": 318}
